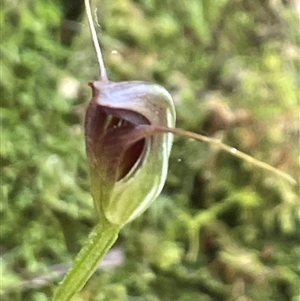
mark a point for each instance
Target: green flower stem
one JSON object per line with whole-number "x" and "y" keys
{"x": 100, "y": 241}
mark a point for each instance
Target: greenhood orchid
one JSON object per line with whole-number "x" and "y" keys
{"x": 128, "y": 160}
{"x": 128, "y": 163}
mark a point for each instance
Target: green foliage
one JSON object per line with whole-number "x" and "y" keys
{"x": 44, "y": 179}
{"x": 222, "y": 229}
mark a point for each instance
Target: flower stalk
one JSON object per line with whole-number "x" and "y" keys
{"x": 100, "y": 241}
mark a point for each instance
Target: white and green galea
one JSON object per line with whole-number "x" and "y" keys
{"x": 128, "y": 160}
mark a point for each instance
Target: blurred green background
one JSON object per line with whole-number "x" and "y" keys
{"x": 222, "y": 229}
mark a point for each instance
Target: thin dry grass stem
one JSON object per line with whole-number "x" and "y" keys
{"x": 231, "y": 150}
{"x": 103, "y": 74}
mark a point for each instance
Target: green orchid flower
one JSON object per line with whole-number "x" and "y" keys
{"x": 128, "y": 163}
